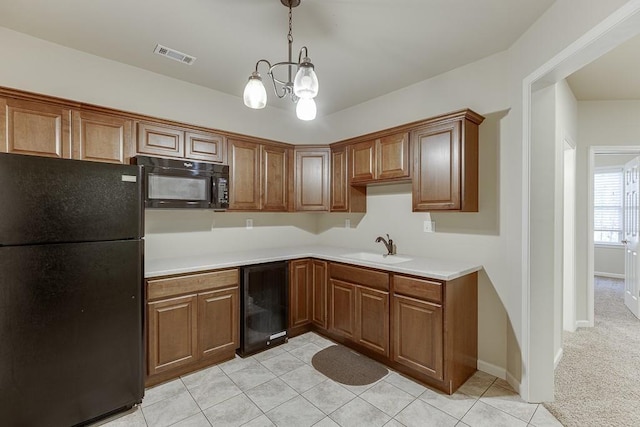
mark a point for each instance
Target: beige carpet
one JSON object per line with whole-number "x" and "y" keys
{"x": 347, "y": 367}
{"x": 597, "y": 382}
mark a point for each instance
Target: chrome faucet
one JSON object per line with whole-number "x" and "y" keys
{"x": 391, "y": 248}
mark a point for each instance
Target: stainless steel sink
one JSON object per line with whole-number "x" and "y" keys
{"x": 378, "y": 258}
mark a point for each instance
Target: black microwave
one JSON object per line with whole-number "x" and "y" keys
{"x": 184, "y": 183}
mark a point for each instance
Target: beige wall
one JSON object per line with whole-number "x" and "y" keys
{"x": 494, "y": 237}
{"x": 608, "y": 261}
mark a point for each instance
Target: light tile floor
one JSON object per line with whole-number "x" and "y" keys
{"x": 279, "y": 387}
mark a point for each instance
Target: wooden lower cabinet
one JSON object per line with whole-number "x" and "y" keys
{"x": 372, "y": 309}
{"x": 172, "y": 340}
{"x": 192, "y": 322}
{"x": 307, "y": 295}
{"x": 218, "y": 322}
{"x": 343, "y": 309}
{"x": 359, "y": 306}
{"x": 319, "y": 293}
{"x": 417, "y": 335}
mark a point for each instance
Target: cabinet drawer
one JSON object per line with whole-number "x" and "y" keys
{"x": 162, "y": 288}
{"x": 418, "y": 288}
{"x": 361, "y": 276}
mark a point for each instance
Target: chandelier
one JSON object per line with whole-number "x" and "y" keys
{"x": 302, "y": 89}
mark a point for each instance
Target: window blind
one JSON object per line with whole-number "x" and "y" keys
{"x": 607, "y": 204}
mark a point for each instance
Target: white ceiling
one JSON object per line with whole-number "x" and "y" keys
{"x": 361, "y": 48}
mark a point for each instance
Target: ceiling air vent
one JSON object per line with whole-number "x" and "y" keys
{"x": 174, "y": 54}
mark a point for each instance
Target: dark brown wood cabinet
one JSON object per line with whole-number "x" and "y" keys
{"x": 392, "y": 156}
{"x": 311, "y": 184}
{"x": 259, "y": 176}
{"x": 344, "y": 197}
{"x": 275, "y": 178}
{"x": 192, "y": 321}
{"x": 435, "y": 328}
{"x": 445, "y": 163}
{"x": 218, "y": 322}
{"x": 359, "y": 306}
{"x": 205, "y": 146}
{"x": 417, "y": 335}
{"x": 319, "y": 293}
{"x": 383, "y": 159}
{"x": 300, "y": 293}
{"x": 35, "y": 128}
{"x": 172, "y": 333}
{"x": 307, "y": 295}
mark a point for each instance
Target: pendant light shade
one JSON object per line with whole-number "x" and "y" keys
{"x": 255, "y": 95}
{"x": 306, "y": 109}
{"x": 302, "y": 86}
{"x": 305, "y": 84}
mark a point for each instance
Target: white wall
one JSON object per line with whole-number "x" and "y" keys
{"x": 566, "y": 135}
{"x": 600, "y": 124}
{"x": 608, "y": 261}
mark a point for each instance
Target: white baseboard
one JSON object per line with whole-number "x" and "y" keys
{"x": 513, "y": 381}
{"x": 610, "y": 275}
{"x": 557, "y": 359}
{"x": 582, "y": 324}
{"x": 492, "y": 369}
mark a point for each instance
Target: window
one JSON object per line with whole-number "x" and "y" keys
{"x": 607, "y": 205}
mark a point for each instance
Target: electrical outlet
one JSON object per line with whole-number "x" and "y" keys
{"x": 429, "y": 226}
{"x": 249, "y": 224}
{"x": 347, "y": 223}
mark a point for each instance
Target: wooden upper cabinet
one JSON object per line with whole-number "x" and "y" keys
{"x": 344, "y": 198}
{"x": 244, "y": 175}
{"x": 381, "y": 159}
{"x": 160, "y": 140}
{"x": 102, "y": 137}
{"x": 445, "y": 164}
{"x": 312, "y": 179}
{"x": 392, "y": 156}
{"x": 35, "y": 128}
{"x": 275, "y": 180}
{"x": 362, "y": 155}
{"x": 205, "y": 146}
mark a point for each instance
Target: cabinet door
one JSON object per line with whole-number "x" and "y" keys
{"x": 392, "y": 156}
{"x": 372, "y": 309}
{"x": 418, "y": 335}
{"x": 205, "y": 146}
{"x": 344, "y": 197}
{"x": 299, "y": 292}
{"x": 319, "y": 293}
{"x": 342, "y": 318}
{"x": 244, "y": 175}
{"x": 362, "y": 157}
{"x": 275, "y": 182}
{"x": 102, "y": 138}
{"x": 218, "y": 322}
{"x": 172, "y": 333}
{"x": 339, "y": 180}
{"x": 312, "y": 180}
{"x": 35, "y": 128}
{"x": 436, "y": 167}
{"x": 160, "y": 140}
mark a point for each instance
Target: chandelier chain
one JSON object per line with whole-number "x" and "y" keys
{"x": 290, "y": 35}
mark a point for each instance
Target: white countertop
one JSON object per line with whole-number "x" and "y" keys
{"x": 417, "y": 266}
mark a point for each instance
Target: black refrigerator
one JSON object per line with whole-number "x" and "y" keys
{"x": 71, "y": 277}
